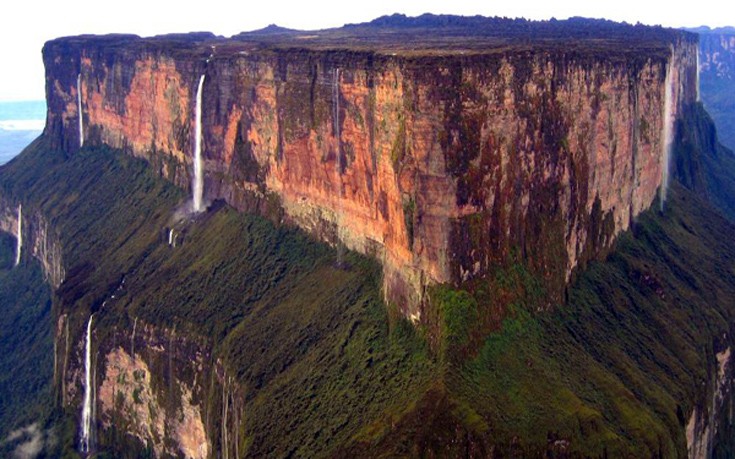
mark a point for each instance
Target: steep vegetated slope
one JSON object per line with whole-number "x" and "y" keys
{"x": 312, "y": 341}
{"x": 319, "y": 364}
{"x": 26, "y": 345}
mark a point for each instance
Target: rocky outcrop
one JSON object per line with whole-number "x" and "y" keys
{"x": 127, "y": 394}
{"x": 705, "y": 422}
{"x": 439, "y": 161}
{"x": 39, "y": 240}
{"x": 152, "y": 388}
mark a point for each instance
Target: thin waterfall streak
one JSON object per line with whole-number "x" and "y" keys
{"x": 87, "y": 405}
{"x": 19, "y": 240}
{"x": 132, "y": 339}
{"x": 667, "y": 134}
{"x": 79, "y": 110}
{"x": 699, "y": 99}
{"x": 198, "y": 185}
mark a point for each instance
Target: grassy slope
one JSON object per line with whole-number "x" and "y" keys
{"x": 298, "y": 333}
{"x": 107, "y": 211}
{"x": 311, "y": 343}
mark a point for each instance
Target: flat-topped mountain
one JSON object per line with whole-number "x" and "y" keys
{"x": 435, "y": 144}
{"x": 430, "y": 236}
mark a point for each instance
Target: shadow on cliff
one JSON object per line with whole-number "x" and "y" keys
{"x": 701, "y": 163}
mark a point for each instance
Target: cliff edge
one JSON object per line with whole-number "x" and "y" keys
{"x": 436, "y": 144}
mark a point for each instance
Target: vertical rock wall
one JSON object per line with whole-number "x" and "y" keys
{"x": 39, "y": 240}
{"x": 447, "y": 163}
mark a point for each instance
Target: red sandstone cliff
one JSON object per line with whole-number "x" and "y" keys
{"x": 438, "y": 161}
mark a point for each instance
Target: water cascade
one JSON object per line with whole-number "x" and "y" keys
{"x": 79, "y": 110}
{"x": 87, "y": 405}
{"x": 19, "y": 240}
{"x": 198, "y": 185}
{"x": 698, "y": 97}
{"x": 132, "y": 339}
{"x": 170, "y": 237}
{"x": 666, "y": 134}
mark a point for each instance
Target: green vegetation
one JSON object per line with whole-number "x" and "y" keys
{"x": 296, "y": 343}
{"x": 615, "y": 372}
{"x": 323, "y": 367}
{"x": 458, "y": 312}
{"x": 309, "y": 343}
{"x": 26, "y": 347}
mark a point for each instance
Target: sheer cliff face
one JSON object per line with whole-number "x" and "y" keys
{"x": 153, "y": 385}
{"x": 39, "y": 239}
{"x": 439, "y": 166}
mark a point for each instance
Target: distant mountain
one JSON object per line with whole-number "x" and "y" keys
{"x": 717, "y": 78}
{"x": 718, "y": 30}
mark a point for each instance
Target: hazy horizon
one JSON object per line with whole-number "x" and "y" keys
{"x": 20, "y": 123}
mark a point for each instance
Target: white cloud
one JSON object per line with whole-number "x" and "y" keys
{"x": 22, "y": 125}
{"x": 31, "y": 444}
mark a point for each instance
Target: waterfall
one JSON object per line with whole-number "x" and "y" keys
{"x": 698, "y": 96}
{"x": 170, "y": 236}
{"x": 132, "y": 339}
{"x": 19, "y": 240}
{"x": 198, "y": 185}
{"x": 667, "y": 133}
{"x": 87, "y": 406}
{"x": 79, "y": 110}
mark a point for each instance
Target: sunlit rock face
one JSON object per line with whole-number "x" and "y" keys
{"x": 149, "y": 384}
{"x": 438, "y": 160}
{"x": 705, "y": 422}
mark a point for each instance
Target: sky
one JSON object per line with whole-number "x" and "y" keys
{"x": 26, "y": 25}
